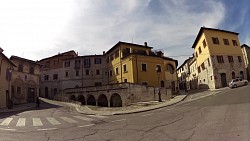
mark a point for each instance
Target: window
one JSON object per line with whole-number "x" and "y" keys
{"x": 196, "y": 54}
{"x": 46, "y": 77}
{"x": 208, "y": 62}
{"x": 55, "y": 76}
{"x": 87, "y": 72}
{"x": 233, "y": 75}
{"x": 202, "y": 66}
{"x": 98, "y": 60}
{"x": 111, "y": 57}
{"x": 215, "y": 40}
{"x": 97, "y": 72}
{"x": 98, "y": 83}
{"x": 241, "y": 74}
{"x": 199, "y": 69}
{"x": 220, "y": 59}
{"x": 18, "y": 90}
{"x": 226, "y": 42}
{"x": 144, "y": 83}
{"x": 77, "y": 64}
{"x": 144, "y": 67}
{"x": 47, "y": 64}
{"x": 67, "y": 64}
{"x": 117, "y": 54}
{"x": 117, "y": 71}
{"x": 77, "y": 73}
{"x": 56, "y": 62}
{"x": 230, "y": 59}
{"x": 199, "y": 50}
{"x": 125, "y": 80}
{"x": 32, "y": 70}
{"x": 158, "y": 68}
{"x": 170, "y": 68}
{"x": 239, "y": 58}
{"x": 204, "y": 43}
{"x": 66, "y": 74}
{"x": 20, "y": 67}
{"x": 211, "y": 77}
{"x": 86, "y": 63}
{"x": 235, "y": 43}
{"x": 125, "y": 68}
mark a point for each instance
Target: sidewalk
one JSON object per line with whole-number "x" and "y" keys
{"x": 16, "y": 108}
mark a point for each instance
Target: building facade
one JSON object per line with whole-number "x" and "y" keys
{"x": 193, "y": 77}
{"x": 6, "y": 68}
{"x": 219, "y": 57}
{"x": 183, "y": 73}
{"x": 52, "y": 72}
{"x": 139, "y": 64}
{"x": 246, "y": 57}
{"x": 25, "y": 80}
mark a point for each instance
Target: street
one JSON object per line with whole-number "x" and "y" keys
{"x": 221, "y": 117}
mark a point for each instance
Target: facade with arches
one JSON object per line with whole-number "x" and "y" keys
{"x": 115, "y": 95}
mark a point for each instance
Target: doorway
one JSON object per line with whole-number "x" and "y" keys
{"x": 223, "y": 80}
{"x": 31, "y": 95}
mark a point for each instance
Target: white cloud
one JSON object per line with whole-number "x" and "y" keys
{"x": 91, "y": 27}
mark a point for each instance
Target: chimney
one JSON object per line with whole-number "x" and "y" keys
{"x": 146, "y": 44}
{"x": 1, "y": 50}
{"x": 103, "y": 52}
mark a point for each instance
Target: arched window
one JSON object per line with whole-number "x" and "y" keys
{"x": 233, "y": 75}
{"x": 170, "y": 68}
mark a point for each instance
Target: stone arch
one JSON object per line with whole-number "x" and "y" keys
{"x": 91, "y": 100}
{"x": 102, "y": 101}
{"x": 170, "y": 68}
{"x": 233, "y": 75}
{"x": 81, "y": 99}
{"x": 72, "y": 97}
{"x": 115, "y": 100}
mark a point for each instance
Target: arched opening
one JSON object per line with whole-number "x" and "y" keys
{"x": 241, "y": 74}
{"x": 170, "y": 68}
{"x": 102, "y": 101}
{"x": 72, "y": 97}
{"x": 46, "y": 92}
{"x": 91, "y": 100}
{"x": 81, "y": 99}
{"x": 233, "y": 75}
{"x": 115, "y": 100}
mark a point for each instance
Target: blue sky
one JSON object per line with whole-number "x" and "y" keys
{"x": 35, "y": 29}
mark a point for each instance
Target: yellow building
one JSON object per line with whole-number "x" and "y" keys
{"x": 139, "y": 64}
{"x": 219, "y": 57}
{"x": 6, "y": 67}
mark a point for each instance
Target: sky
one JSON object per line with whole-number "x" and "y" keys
{"x": 36, "y": 29}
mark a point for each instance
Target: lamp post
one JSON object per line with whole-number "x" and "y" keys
{"x": 158, "y": 76}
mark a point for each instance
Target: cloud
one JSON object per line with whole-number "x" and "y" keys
{"x": 90, "y": 27}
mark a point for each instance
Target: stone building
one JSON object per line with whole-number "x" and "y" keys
{"x": 183, "y": 73}
{"x": 6, "y": 68}
{"x": 193, "y": 76}
{"x": 52, "y": 72}
{"x": 246, "y": 57}
{"x": 25, "y": 80}
{"x": 219, "y": 57}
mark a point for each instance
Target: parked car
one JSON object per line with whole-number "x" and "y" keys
{"x": 237, "y": 82}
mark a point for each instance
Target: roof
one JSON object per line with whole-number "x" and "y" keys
{"x": 23, "y": 59}
{"x": 119, "y": 43}
{"x": 8, "y": 60}
{"x": 244, "y": 45}
{"x": 85, "y": 56}
{"x": 213, "y": 29}
{"x": 186, "y": 61}
{"x": 59, "y": 54}
{"x": 171, "y": 59}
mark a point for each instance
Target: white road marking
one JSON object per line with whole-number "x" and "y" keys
{"x": 8, "y": 129}
{"x": 146, "y": 115}
{"x": 83, "y": 118}
{"x": 118, "y": 120}
{"x": 47, "y": 129}
{"x": 37, "y": 122}
{"x": 69, "y": 120}
{"x": 97, "y": 116}
{"x": 53, "y": 121}
{"x": 6, "y": 122}
{"x": 86, "y": 125}
{"x": 21, "y": 122}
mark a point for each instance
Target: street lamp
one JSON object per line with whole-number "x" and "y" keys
{"x": 158, "y": 76}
